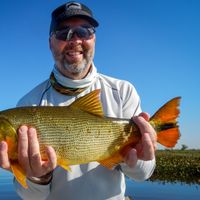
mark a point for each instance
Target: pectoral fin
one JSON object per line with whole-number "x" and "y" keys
{"x": 64, "y": 164}
{"x": 19, "y": 174}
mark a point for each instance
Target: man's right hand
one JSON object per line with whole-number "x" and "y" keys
{"x": 29, "y": 156}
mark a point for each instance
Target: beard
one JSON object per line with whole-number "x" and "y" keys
{"x": 78, "y": 67}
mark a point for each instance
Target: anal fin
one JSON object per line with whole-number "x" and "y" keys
{"x": 19, "y": 174}
{"x": 112, "y": 161}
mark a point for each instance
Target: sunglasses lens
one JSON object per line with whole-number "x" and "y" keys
{"x": 62, "y": 34}
{"x": 81, "y": 32}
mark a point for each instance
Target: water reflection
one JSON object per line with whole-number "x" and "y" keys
{"x": 162, "y": 191}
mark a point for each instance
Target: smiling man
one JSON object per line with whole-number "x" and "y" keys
{"x": 72, "y": 43}
{"x": 73, "y": 55}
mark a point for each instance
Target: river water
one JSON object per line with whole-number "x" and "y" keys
{"x": 138, "y": 191}
{"x": 158, "y": 191}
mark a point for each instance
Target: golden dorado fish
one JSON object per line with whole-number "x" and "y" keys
{"x": 80, "y": 133}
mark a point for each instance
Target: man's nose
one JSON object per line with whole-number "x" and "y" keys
{"x": 75, "y": 39}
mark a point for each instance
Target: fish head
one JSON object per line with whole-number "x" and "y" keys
{"x": 9, "y": 135}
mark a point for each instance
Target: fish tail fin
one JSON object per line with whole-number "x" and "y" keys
{"x": 165, "y": 123}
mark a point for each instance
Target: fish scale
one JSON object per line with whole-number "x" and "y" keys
{"x": 77, "y": 135}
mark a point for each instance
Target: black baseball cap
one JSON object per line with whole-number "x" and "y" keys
{"x": 70, "y": 10}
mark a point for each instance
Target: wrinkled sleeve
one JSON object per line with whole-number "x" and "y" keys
{"x": 34, "y": 191}
{"x": 141, "y": 172}
{"x": 131, "y": 107}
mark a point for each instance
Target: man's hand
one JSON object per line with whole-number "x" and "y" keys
{"x": 145, "y": 149}
{"x": 29, "y": 156}
{"x": 4, "y": 160}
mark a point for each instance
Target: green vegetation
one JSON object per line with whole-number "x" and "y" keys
{"x": 177, "y": 166}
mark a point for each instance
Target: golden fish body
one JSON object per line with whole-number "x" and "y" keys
{"x": 80, "y": 133}
{"x": 77, "y": 136}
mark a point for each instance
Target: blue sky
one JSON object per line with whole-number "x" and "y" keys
{"x": 154, "y": 44}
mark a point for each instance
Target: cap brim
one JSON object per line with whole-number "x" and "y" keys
{"x": 91, "y": 20}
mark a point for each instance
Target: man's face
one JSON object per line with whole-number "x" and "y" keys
{"x": 73, "y": 57}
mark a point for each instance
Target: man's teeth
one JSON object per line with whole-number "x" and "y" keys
{"x": 73, "y": 53}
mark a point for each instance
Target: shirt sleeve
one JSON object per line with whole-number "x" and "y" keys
{"x": 34, "y": 191}
{"x": 132, "y": 107}
{"x": 141, "y": 172}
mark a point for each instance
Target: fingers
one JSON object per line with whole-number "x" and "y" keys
{"x": 29, "y": 154}
{"x": 52, "y": 159}
{"x": 4, "y": 160}
{"x": 23, "y": 155}
{"x": 147, "y": 146}
{"x": 145, "y": 149}
{"x": 34, "y": 153}
{"x": 131, "y": 158}
{"x": 145, "y": 127}
{"x": 142, "y": 123}
{"x": 145, "y": 115}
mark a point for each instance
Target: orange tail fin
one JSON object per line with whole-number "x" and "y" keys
{"x": 165, "y": 123}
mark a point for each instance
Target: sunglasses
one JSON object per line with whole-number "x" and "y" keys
{"x": 83, "y": 32}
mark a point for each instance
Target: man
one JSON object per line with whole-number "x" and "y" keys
{"x": 72, "y": 43}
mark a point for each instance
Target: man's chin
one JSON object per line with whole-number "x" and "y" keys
{"x": 75, "y": 68}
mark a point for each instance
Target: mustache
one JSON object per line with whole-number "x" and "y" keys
{"x": 74, "y": 48}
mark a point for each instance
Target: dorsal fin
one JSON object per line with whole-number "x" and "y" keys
{"x": 90, "y": 103}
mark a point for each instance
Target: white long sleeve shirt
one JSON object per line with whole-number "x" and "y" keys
{"x": 88, "y": 181}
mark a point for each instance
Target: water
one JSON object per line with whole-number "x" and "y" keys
{"x": 139, "y": 191}
{"x": 158, "y": 191}
{"x": 6, "y": 187}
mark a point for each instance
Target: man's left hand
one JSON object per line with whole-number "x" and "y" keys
{"x": 145, "y": 149}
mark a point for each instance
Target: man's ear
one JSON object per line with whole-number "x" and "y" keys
{"x": 50, "y": 43}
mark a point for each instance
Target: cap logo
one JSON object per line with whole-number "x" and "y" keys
{"x": 71, "y": 6}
